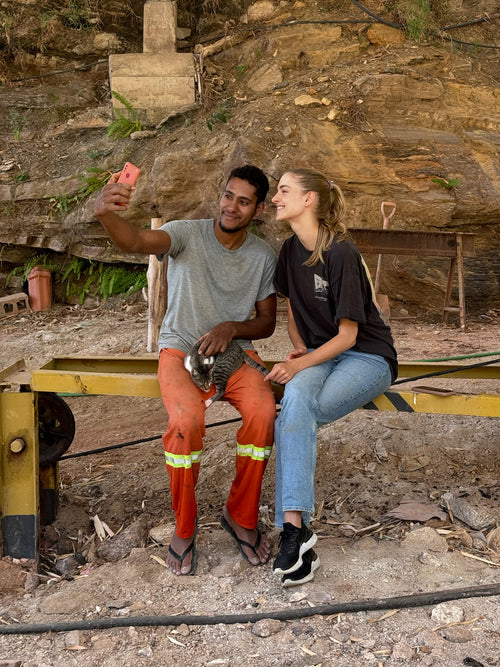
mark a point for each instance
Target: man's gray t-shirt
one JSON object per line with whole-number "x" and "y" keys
{"x": 209, "y": 284}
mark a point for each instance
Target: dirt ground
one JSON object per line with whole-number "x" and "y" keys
{"x": 368, "y": 463}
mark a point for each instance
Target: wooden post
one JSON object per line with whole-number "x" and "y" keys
{"x": 458, "y": 262}
{"x": 157, "y": 294}
{"x": 461, "y": 285}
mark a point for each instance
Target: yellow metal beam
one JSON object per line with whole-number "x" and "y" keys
{"x": 410, "y": 369}
{"x": 148, "y": 364}
{"x": 19, "y": 492}
{"x": 480, "y": 405}
{"x": 136, "y": 376}
{"x": 82, "y": 382}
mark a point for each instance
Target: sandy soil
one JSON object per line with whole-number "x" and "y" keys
{"x": 367, "y": 464}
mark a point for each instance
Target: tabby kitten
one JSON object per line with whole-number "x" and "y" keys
{"x": 217, "y": 368}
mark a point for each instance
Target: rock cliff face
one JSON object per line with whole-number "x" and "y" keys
{"x": 387, "y": 118}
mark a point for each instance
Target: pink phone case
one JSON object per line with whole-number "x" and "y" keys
{"x": 129, "y": 174}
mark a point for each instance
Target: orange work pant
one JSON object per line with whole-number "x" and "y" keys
{"x": 183, "y": 440}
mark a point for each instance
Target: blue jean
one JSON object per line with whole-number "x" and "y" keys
{"x": 315, "y": 396}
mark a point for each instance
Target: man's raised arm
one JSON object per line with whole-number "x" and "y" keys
{"x": 114, "y": 199}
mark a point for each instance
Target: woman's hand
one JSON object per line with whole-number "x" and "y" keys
{"x": 296, "y": 353}
{"x": 284, "y": 371}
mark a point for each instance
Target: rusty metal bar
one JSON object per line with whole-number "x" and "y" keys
{"x": 403, "y": 242}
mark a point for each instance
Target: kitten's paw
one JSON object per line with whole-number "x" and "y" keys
{"x": 208, "y": 402}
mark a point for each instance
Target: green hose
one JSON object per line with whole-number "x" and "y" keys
{"x": 464, "y": 356}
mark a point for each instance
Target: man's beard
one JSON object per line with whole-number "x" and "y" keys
{"x": 231, "y": 230}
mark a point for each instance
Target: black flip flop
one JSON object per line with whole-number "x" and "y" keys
{"x": 241, "y": 543}
{"x": 194, "y": 560}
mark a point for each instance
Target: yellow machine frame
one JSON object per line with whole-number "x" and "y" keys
{"x": 23, "y": 483}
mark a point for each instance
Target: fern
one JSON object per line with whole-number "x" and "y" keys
{"x": 81, "y": 277}
{"x": 119, "y": 280}
{"x": 41, "y": 260}
{"x": 72, "y": 274}
{"x": 95, "y": 180}
{"x": 91, "y": 280}
{"x": 124, "y": 125}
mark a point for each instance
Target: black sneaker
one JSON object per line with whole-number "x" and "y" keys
{"x": 305, "y": 573}
{"x": 294, "y": 542}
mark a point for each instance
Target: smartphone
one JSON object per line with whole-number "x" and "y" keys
{"x": 129, "y": 174}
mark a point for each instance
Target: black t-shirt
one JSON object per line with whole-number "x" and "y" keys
{"x": 323, "y": 294}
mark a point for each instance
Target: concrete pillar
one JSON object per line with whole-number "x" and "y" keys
{"x": 159, "y": 81}
{"x": 160, "y": 25}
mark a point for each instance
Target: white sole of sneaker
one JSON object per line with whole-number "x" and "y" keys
{"x": 308, "y": 577}
{"x": 305, "y": 546}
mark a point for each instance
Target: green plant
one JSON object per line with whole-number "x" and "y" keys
{"x": 72, "y": 273}
{"x": 79, "y": 15}
{"x": 22, "y": 177}
{"x": 6, "y": 23}
{"x": 96, "y": 179}
{"x": 119, "y": 280}
{"x": 240, "y": 69}
{"x": 220, "y": 115}
{"x": 76, "y": 271}
{"x": 418, "y": 17}
{"x": 124, "y": 125}
{"x": 447, "y": 183}
{"x": 16, "y": 123}
{"x": 61, "y": 202}
{"x": 41, "y": 260}
{"x": 83, "y": 277}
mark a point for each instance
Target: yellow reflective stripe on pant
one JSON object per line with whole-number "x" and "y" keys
{"x": 254, "y": 452}
{"x": 182, "y": 460}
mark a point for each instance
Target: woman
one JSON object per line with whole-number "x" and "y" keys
{"x": 343, "y": 354}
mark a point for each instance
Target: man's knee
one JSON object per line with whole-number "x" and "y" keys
{"x": 262, "y": 407}
{"x": 188, "y": 420}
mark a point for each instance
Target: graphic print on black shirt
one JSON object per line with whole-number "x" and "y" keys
{"x": 320, "y": 288}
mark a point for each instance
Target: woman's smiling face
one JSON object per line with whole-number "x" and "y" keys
{"x": 290, "y": 199}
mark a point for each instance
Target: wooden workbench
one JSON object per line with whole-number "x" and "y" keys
{"x": 455, "y": 245}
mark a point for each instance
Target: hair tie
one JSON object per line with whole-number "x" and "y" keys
{"x": 331, "y": 184}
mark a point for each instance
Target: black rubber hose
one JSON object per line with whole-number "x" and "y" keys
{"x": 100, "y": 450}
{"x": 378, "y": 18}
{"x": 400, "y": 602}
{"x": 482, "y": 19}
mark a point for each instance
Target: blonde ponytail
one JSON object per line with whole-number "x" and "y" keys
{"x": 330, "y": 210}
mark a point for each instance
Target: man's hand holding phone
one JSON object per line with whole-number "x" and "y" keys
{"x": 115, "y": 195}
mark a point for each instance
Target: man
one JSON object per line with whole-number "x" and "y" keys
{"x": 220, "y": 281}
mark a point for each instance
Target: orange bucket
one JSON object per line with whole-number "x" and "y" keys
{"x": 40, "y": 288}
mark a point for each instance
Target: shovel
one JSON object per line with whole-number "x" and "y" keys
{"x": 382, "y": 299}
